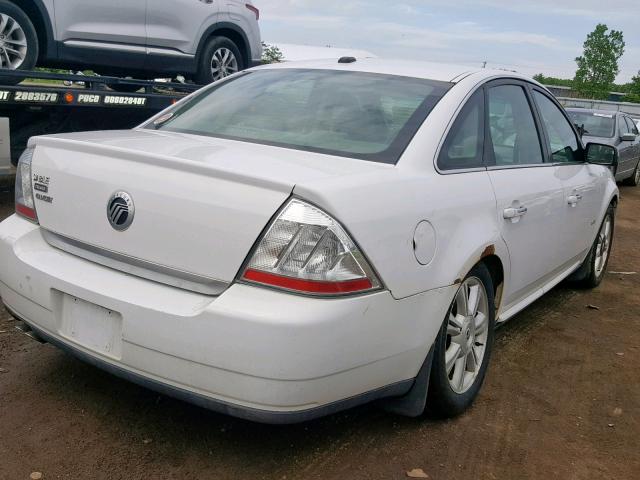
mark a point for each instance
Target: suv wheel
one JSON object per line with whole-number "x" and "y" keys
{"x": 220, "y": 58}
{"x": 18, "y": 40}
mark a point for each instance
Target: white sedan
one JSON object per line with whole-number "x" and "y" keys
{"x": 301, "y": 238}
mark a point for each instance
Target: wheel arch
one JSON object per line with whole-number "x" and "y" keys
{"x": 39, "y": 16}
{"x": 495, "y": 257}
{"x": 233, "y": 33}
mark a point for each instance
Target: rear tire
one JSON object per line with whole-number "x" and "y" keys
{"x": 463, "y": 347}
{"x": 18, "y": 41}
{"x": 634, "y": 179}
{"x": 219, "y": 59}
{"x": 594, "y": 267}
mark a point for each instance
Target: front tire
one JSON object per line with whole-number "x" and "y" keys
{"x": 220, "y": 58}
{"x": 594, "y": 267}
{"x": 634, "y": 180}
{"x": 18, "y": 40}
{"x": 463, "y": 347}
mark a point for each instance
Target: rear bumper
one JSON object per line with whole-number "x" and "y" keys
{"x": 250, "y": 352}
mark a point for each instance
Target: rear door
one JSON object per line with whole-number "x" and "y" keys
{"x": 116, "y": 24}
{"x": 583, "y": 183}
{"x": 529, "y": 193}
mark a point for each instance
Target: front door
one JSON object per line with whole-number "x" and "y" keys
{"x": 626, "y": 151}
{"x": 529, "y": 193}
{"x": 95, "y": 25}
{"x": 169, "y": 32}
{"x": 583, "y": 183}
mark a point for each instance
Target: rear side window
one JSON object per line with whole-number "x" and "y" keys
{"x": 563, "y": 141}
{"x": 514, "y": 135}
{"x": 351, "y": 114}
{"x": 464, "y": 145}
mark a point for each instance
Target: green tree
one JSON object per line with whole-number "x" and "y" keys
{"x": 271, "y": 54}
{"x": 633, "y": 90}
{"x": 562, "y": 82}
{"x": 598, "y": 65}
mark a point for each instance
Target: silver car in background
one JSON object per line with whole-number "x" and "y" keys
{"x": 205, "y": 40}
{"x": 616, "y": 129}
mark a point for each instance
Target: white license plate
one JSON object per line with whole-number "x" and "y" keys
{"x": 92, "y": 326}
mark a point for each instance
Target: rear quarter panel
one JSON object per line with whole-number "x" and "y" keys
{"x": 382, "y": 211}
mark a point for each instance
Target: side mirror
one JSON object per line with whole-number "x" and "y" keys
{"x": 602, "y": 154}
{"x": 628, "y": 137}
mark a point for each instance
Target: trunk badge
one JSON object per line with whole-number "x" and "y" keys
{"x": 120, "y": 211}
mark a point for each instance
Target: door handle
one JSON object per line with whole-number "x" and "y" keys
{"x": 574, "y": 199}
{"x": 514, "y": 212}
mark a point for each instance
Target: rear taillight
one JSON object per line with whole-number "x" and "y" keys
{"x": 305, "y": 250}
{"x": 25, "y": 205}
{"x": 255, "y": 11}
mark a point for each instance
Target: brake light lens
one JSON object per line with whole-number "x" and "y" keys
{"x": 25, "y": 205}
{"x": 306, "y": 251}
{"x": 255, "y": 11}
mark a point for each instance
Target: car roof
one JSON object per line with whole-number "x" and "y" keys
{"x": 443, "y": 72}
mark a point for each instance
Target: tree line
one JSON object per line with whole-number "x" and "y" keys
{"x": 598, "y": 67}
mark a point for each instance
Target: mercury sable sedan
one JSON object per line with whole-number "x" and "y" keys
{"x": 301, "y": 238}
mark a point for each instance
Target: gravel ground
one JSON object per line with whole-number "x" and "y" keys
{"x": 561, "y": 400}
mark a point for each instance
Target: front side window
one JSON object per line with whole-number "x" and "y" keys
{"x": 632, "y": 126}
{"x": 623, "y": 128}
{"x": 514, "y": 135}
{"x": 563, "y": 141}
{"x": 464, "y": 145}
{"x": 351, "y": 114}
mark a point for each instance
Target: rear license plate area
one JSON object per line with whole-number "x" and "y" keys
{"x": 94, "y": 327}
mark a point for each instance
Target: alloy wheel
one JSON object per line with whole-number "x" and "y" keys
{"x": 223, "y": 63}
{"x": 603, "y": 246}
{"x": 467, "y": 334}
{"x": 13, "y": 43}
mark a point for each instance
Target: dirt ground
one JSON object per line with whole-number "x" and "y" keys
{"x": 561, "y": 400}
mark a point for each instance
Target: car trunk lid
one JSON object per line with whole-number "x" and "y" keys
{"x": 200, "y": 204}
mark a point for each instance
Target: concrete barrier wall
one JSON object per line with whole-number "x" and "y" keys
{"x": 632, "y": 109}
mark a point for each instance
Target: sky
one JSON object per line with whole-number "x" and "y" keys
{"x": 542, "y": 36}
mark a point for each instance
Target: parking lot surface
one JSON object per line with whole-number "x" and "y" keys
{"x": 561, "y": 400}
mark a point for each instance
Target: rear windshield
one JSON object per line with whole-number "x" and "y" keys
{"x": 352, "y": 114}
{"x": 595, "y": 124}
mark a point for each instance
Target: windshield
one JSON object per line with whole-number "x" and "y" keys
{"x": 595, "y": 124}
{"x": 352, "y": 114}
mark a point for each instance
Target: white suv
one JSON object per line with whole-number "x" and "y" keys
{"x": 203, "y": 39}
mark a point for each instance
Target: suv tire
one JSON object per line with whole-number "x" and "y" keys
{"x": 220, "y": 58}
{"x": 18, "y": 41}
